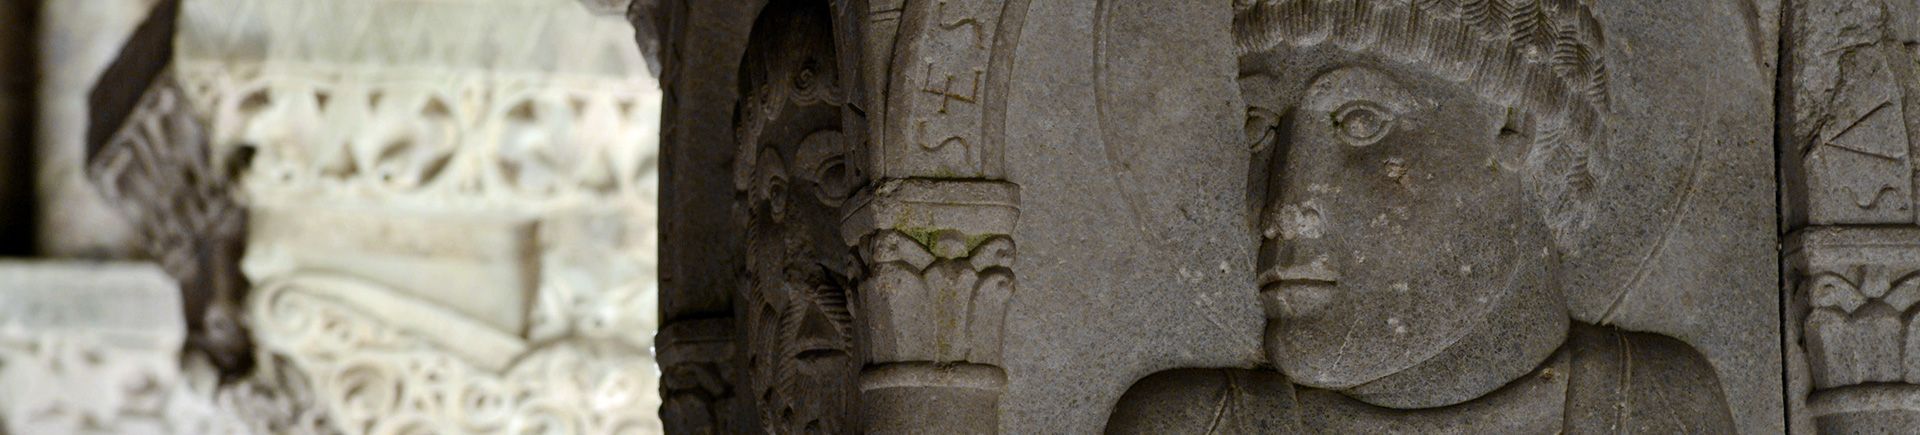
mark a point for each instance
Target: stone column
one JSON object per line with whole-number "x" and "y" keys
{"x": 701, "y": 348}
{"x": 936, "y": 230}
{"x": 76, "y": 41}
{"x": 1853, "y": 250}
{"x": 940, "y": 257}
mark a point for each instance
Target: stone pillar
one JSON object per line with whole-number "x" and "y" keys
{"x": 940, "y": 257}
{"x": 701, "y": 347}
{"x": 935, "y": 231}
{"x": 76, "y": 43}
{"x": 1848, "y": 197}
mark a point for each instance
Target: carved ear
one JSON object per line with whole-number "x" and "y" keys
{"x": 769, "y": 183}
{"x": 1262, "y": 128}
{"x": 821, "y": 159}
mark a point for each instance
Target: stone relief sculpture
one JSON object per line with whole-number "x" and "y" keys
{"x": 794, "y": 173}
{"x": 1847, "y": 196}
{"x": 878, "y": 260}
{"x": 1429, "y": 165}
{"x": 1252, "y": 216}
{"x": 1421, "y": 175}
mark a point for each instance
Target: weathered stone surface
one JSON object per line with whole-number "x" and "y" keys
{"x": 148, "y": 153}
{"x": 1128, "y": 276}
{"x": 1439, "y": 200}
{"x": 1846, "y": 151}
{"x": 1604, "y": 162}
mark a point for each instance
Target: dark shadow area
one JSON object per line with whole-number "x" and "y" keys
{"x": 18, "y": 214}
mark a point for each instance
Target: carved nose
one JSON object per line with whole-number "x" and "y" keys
{"x": 1299, "y": 234}
{"x": 1302, "y": 221}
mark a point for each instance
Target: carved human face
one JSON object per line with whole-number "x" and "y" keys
{"x": 1396, "y": 220}
{"x": 792, "y": 168}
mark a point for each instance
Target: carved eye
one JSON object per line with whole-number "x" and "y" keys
{"x": 1362, "y": 123}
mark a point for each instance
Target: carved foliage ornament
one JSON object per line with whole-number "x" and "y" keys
{"x": 499, "y": 138}
{"x": 1861, "y": 329}
{"x": 374, "y": 377}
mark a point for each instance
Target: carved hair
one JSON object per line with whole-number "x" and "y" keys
{"x": 1541, "y": 57}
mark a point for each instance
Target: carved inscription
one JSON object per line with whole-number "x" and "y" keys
{"x": 1848, "y": 181}
{"x": 945, "y": 50}
{"x": 1859, "y": 170}
{"x": 1849, "y": 72}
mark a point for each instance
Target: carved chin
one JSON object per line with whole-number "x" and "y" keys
{"x": 1331, "y": 368}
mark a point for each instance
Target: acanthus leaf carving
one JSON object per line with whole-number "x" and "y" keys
{"x": 941, "y": 303}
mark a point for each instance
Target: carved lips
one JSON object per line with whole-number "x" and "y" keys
{"x": 1291, "y": 291}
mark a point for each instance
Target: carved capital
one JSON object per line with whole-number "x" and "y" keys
{"x": 939, "y": 259}
{"x": 700, "y": 369}
{"x": 922, "y": 206}
{"x": 1854, "y": 290}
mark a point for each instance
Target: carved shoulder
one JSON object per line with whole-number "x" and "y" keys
{"x": 1627, "y": 382}
{"x": 1207, "y": 401}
